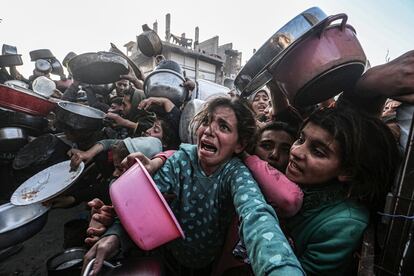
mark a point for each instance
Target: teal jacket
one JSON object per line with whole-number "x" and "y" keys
{"x": 327, "y": 230}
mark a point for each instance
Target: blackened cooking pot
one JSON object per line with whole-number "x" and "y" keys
{"x": 79, "y": 117}
{"x": 149, "y": 43}
{"x": 40, "y": 54}
{"x": 11, "y": 60}
{"x": 324, "y": 62}
{"x": 98, "y": 68}
{"x": 12, "y": 139}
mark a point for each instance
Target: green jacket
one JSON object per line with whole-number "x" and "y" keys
{"x": 327, "y": 230}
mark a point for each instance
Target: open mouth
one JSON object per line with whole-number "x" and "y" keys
{"x": 208, "y": 147}
{"x": 294, "y": 167}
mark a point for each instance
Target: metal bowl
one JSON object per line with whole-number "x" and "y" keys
{"x": 12, "y": 139}
{"x": 166, "y": 83}
{"x": 68, "y": 262}
{"x": 19, "y": 223}
{"x": 78, "y": 116}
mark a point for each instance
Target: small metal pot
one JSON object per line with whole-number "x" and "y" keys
{"x": 12, "y": 139}
{"x": 79, "y": 117}
{"x": 19, "y": 223}
{"x": 68, "y": 262}
{"x": 149, "y": 43}
{"x": 11, "y": 60}
{"x": 98, "y": 68}
{"x": 40, "y": 54}
{"x": 186, "y": 130}
{"x": 166, "y": 83}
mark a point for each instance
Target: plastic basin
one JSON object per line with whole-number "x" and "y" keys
{"x": 142, "y": 209}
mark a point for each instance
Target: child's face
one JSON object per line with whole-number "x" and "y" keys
{"x": 155, "y": 130}
{"x": 274, "y": 147}
{"x": 260, "y": 103}
{"x": 217, "y": 139}
{"x": 315, "y": 157}
{"x": 117, "y": 164}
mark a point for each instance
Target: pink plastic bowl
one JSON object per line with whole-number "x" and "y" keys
{"x": 142, "y": 209}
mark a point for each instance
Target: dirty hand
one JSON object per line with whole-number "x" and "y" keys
{"x": 188, "y": 84}
{"x": 77, "y": 157}
{"x": 149, "y": 164}
{"x": 101, "y": 219}
{"x": 160, "y": 101}
{"x": 394, "y": 79}
{"x": 116, "y": 118}
{"x": 105, "y": 248}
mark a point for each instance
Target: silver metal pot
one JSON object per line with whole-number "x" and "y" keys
{"x": 68, "y": 262}
{"x": 19, "y": 223}
{"x": 254, "y": 74}
{"x": 206, "y": 89}
{"x": 78, "y": 116}
{"x": 166, "y": 83}
{"x": 12, "y": 139}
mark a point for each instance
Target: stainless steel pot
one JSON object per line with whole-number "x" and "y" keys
{"x": 12, "y": 139}
{"x": 254, "y": 74}
{"x": 19, "y": 223}
{"x": 68, "y": 262}
{"x": 166, "y": 83}
{"x": 79, "y": 117}
{"x": 206, "y": 89}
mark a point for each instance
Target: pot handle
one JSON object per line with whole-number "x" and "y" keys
{"x": 331, "y": 19}
{"x": 89, "y": 266}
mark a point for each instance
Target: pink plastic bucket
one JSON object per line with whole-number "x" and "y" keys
{"x": 142, "y": 209}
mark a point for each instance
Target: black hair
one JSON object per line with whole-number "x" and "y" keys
{"x": 246, "y": 123}
{"x": 276, "y": 126}
{"x": 170, "y": 137}
{"x": 116, "y": 100}
{"x": 119, "y": 148}
{"x": 369, "y": 153}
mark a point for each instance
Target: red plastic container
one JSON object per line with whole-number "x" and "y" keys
{"x": 142, "y": 209}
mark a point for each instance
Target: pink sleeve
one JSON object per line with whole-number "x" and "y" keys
{"x": 164, "y": 155}
{"x": 284, "y": 195}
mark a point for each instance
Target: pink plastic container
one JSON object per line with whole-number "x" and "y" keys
{"x": 142, "y": 209}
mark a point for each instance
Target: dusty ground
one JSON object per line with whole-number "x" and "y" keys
{"x": 31, "y": 260}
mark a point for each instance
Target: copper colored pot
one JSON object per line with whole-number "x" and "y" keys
{"x": 24, "y": 100}
{"x": 323, "y": 63}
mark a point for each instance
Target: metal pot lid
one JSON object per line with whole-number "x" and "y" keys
{"x": 46, "y": 184}
{"x": 44, "y": 86}
{"x": 43, "y": 65}
{"x": 253, "y": 75}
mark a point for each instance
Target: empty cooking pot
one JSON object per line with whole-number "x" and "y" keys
{"x": 149, "y": 43}
{"x": 98, "y": 68}
{"x": 40, "y": 54}
{"x": 12, "y": 139}
{"x": 68, "y": 262}
{"x": 326, "y": 61}
{"x": 166, "y": 83}
{"x": 18, "y": 223}
{"x": 79, "y": 117}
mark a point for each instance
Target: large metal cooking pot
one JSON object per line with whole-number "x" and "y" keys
{"x": 149, "y": 43}
{"x": 18, "y": 223}
{"x": 166, "y": 83}
{"x": 33, "y": 124}
{"x": 68, "y": 262}
{"x": 326, "y": 61}
{"x": 40, "y": 54}
{"x": 79, "y": 117}
{"x": 254, "y": 74}
{"x": 12, "y": 139}
{"x": 207, "y": 89}
{"x": 24, "y": 100}
{"x": 98, "y": 68}
{"x": 11, "y": 60}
